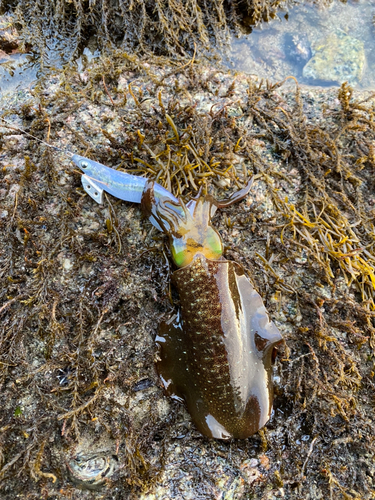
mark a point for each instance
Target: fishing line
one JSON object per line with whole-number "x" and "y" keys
{"x": 10, "y": 125}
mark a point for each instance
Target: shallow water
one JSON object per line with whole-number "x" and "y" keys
{"x": 339, "y": 38}
{"x": 21, "y": 65}
{"x": 285, "y": 45}
{"x": 17, "y": 71}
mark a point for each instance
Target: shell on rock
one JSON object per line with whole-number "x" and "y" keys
{"x": 91, "y": 471}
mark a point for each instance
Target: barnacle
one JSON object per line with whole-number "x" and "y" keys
{"x": 91, "y": 471}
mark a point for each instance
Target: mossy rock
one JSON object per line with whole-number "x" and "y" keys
{"x": 336, "y": 59}
{"x": 83, "y": 286}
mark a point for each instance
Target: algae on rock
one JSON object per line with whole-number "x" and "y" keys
{"x": 83, "y": 287}
{"x": 336, "y": 59}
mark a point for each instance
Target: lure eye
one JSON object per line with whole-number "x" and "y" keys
{"x": 84, "y": 164}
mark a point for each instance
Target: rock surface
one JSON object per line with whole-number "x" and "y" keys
{"x": 336, "y": 59}
{"x": 84, "y": 287}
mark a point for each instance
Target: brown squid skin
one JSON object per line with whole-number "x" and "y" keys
{"x": 216, "y": 353}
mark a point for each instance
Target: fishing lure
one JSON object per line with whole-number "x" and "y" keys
{"x": 216, "y": 352}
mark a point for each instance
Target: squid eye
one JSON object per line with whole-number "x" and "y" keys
{"x": 84, "y": 164}
{"x": 180, "y": 253}
{"x": 213, "y": 245}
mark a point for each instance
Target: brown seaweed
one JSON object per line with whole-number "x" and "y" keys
{"x": 309, "y": 252}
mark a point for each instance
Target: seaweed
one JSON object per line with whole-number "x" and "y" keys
{"x": 83, "y": 287}
{"x": 163, "y": 28}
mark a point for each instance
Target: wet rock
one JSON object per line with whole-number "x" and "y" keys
{"x": 336, "y": 59}
{"x": 297, "y": 48}
{"x": 16, "y": 68}
{"x": 16, "y": 71}
{"x": 142, "y": 385}
{"x": 9, "y": 37}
